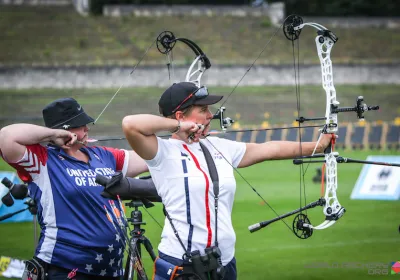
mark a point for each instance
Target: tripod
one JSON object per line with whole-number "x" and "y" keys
{"x": 134, "y": 261}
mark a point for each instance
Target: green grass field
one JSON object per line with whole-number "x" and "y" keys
{"x": 366, "y": 235}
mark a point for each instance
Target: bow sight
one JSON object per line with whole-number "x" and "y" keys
{"x": 359, "y": 108}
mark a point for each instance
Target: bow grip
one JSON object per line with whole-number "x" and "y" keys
{"x": 329, "y": 148}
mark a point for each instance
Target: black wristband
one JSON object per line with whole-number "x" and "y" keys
{"x": 178, "y": 128}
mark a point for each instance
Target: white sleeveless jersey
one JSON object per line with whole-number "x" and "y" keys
{"x": 180, "y": 174}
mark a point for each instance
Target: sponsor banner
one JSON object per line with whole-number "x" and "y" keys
{"x": 378, "y": 182}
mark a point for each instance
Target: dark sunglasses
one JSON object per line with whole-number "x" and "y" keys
{"x": 200, "y": 93}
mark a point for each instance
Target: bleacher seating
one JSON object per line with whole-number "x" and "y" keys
{"x": 357, "y": 137}
{"x": 246, "y": 136}
{"x": 393, "y": 137}
{"x": 375, "y": 137}
{"x": 275, "y": 135}
{"x": 341, "y": 140}
{"x": 292, "y": 135}
{"x": 307, "y": 134}
{"x": 231, "y": 135}
{"x": 261, "y": 136}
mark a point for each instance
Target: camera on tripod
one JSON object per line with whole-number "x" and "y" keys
{"x": 142, "y": 193}
{"x": 209, "y": 265}
{"x": 142, "y": 189}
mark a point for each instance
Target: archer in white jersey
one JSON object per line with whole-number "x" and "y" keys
{"x": 180, "y": 172}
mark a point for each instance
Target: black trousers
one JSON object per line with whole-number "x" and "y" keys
{"x": 230, "y": 268}
{"x": 59, "y": 273}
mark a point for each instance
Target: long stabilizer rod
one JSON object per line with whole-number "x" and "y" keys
{"x": 349, "y": 160}
{"x": 260, "y": 225}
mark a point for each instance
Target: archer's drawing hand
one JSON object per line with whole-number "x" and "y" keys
{"x": 191, "y": 131}
{"x": 63, "y": 138}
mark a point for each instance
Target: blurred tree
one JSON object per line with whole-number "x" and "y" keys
{"x": 382, "y": 8}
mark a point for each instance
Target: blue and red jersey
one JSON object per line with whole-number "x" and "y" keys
{"x": 76, "y": 232}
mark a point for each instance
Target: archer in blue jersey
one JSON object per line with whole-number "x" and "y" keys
{"x": 76, "y": 231}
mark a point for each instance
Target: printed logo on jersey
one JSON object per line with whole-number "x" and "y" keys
{"x": 217, "y": 155}
{"x": 87, "y": 177}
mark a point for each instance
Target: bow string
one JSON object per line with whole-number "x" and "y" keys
{"x": 325, "y": 40}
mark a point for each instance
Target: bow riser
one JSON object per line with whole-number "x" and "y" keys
{"x": 332, "y": 205}
{"x": 324, "y": 47}
{"x": 194, "y": 75}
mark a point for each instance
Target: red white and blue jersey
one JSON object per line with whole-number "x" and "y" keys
{"x": 76, "y": 232}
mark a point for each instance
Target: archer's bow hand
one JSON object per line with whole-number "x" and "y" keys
{"x": 325, "y": 141}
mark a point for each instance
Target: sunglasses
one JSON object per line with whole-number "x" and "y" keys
{"x": 200, "y": 93}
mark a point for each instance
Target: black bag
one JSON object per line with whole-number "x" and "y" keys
{"x": 164, "y": 270}
{"x": 35, "y": 269}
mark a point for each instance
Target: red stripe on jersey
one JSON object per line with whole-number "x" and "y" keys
{"x": 34, "y": 151}
{"x": 119, "y": 156}
{"x": 208, "y": 216}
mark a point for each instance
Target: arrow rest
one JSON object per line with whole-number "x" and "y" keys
{"x": 165, "y": 42}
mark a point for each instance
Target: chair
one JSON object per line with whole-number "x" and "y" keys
{"x": 375, "y": 137}
{"x": 341, "y": 140}
{"x": 307, "y": 134}
{"x": 357, "y": 137}
{"x": 231, "y": 135}
{"x": 246, "y": 136}
{"x": 393, "y": 137}
{"x": 261, "y": 136}
{"x": 292, "y": 135}
{"x": 276, "y": 135}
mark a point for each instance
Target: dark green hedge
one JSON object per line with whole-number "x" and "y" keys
{"x": 382, "y": 8}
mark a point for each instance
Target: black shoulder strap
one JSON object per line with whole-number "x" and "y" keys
{"x": 212, "y": 169}
{"x": 187, "y": 254}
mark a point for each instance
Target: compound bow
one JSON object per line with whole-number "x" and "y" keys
{"x": 332, "y": 209}
{"x": 325, "y": 40}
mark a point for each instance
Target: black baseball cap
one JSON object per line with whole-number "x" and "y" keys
{"x": 178, "y": 92}
{"x": 65, "y": 113}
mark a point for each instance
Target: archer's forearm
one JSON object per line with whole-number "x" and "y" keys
{"x": 273, "y": 150}
{"x": 28, "y": 134}
{"x": 147, "y": 124}
{"x": 308, "y": 148}
{"x": 289, "y": 149}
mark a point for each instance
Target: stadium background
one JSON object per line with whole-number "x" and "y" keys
{"x": 56, "y": 37}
